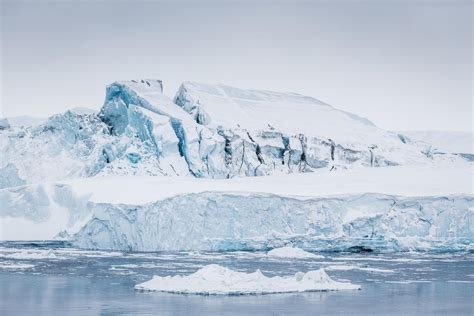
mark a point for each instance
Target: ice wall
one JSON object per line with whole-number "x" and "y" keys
{"x": 224, "y": 221}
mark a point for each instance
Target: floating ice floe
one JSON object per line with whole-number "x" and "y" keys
{"x": 354, "y": 267}
{"x": 291, "y": 252}
{"x": 214, "y": 279}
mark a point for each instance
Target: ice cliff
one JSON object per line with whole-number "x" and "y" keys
{"x": 222, "y": 220}
{"x": 225, "y": 221}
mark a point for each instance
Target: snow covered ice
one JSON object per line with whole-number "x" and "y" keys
{"x": 217, "y": 280}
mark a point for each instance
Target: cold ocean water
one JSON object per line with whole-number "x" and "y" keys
{"x": 49, "y": 278}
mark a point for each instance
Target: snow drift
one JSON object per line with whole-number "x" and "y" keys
{"x": 217, "y": 280}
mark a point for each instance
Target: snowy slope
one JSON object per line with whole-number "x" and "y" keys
{"x": 447, "y": 141}
{"x": 289, "y": 113}
{"x": 289, "y": 121}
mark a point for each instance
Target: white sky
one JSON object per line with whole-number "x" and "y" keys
{"x": 402, "y": 64}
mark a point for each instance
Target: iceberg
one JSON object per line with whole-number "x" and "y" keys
{"x": 292, "y": 252}
{"x": 217, "y": 280}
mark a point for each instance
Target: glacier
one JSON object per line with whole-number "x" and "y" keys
{"x": 206, "y": 131}
{"x": 223, "y": 168}
{"x": 410, "y": 209}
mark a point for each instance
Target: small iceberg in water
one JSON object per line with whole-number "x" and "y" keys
{"x": 214, "y": 279}
{"x": 290, "y": 252}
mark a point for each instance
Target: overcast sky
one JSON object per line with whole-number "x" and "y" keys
{"x": 402, "y": 64}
